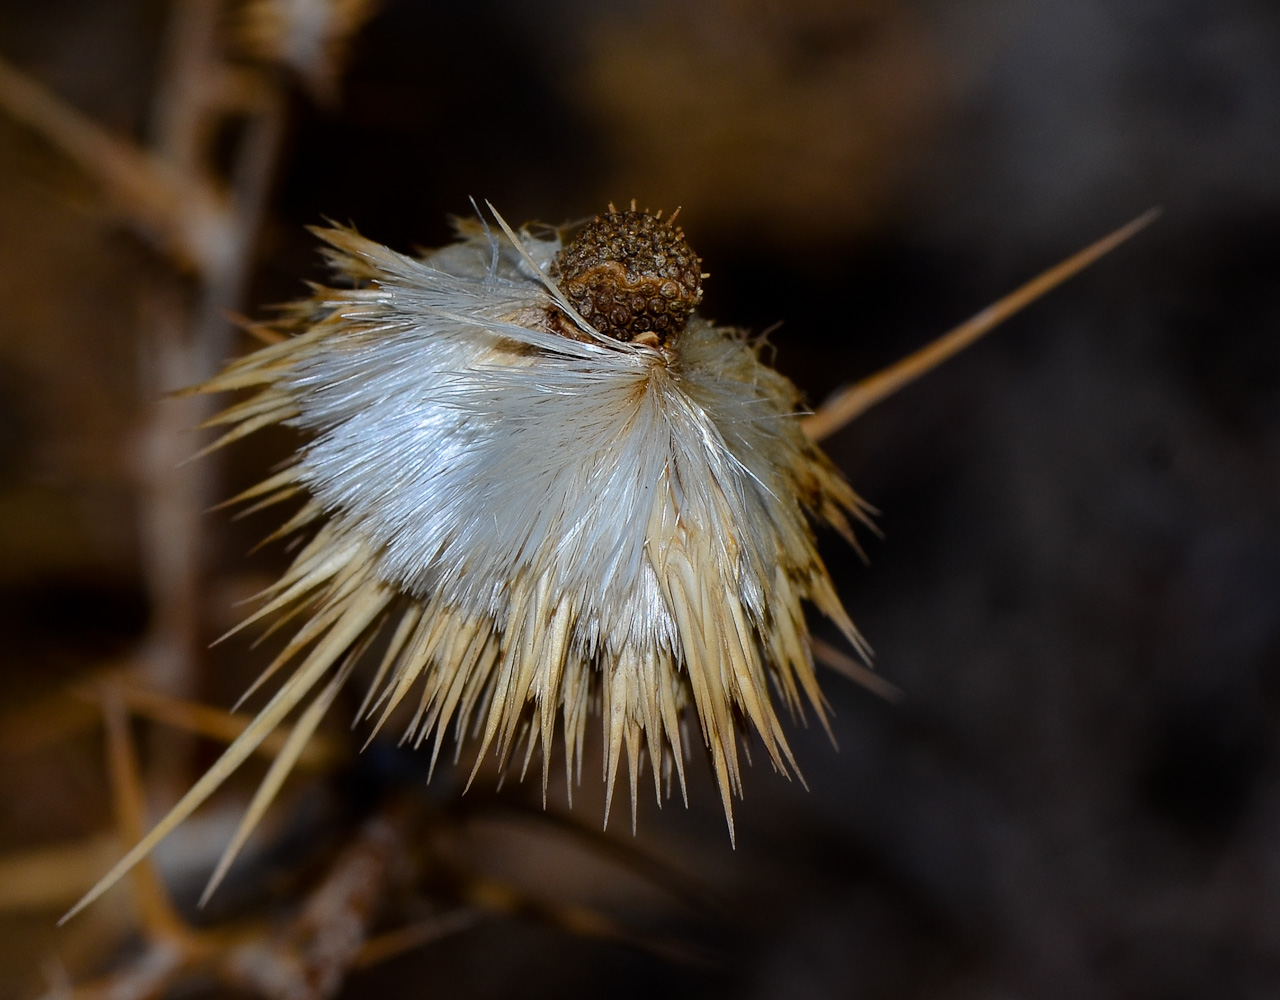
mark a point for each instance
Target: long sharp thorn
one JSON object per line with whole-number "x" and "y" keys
{"x": 861, "y": 396}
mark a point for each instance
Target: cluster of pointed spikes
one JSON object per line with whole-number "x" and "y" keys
{"x": 488, "y": 678}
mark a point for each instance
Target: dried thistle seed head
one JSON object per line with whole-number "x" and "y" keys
{"x": 632, "y": 275}
{"x": 533, "y": 529}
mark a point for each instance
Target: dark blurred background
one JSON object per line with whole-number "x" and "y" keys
{"x": 1078, "y": 590}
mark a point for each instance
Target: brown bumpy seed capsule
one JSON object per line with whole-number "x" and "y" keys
{"x": 631, "y": 275}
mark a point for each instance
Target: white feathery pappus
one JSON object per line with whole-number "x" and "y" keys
{"x": 544, "y": 490}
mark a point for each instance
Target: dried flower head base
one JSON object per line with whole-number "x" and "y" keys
{"x": 546, "y": 491}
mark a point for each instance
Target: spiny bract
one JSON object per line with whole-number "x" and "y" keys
{"x": 557, "y": 521}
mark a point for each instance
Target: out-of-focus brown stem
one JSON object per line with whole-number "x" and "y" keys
{"x": 180, "y": 117}
{"x": 191, "y": 338}
{"x": 159, "y": 919}
{"x": 175, "y": 210}
{"x": 411, "y": 936}
{"x": 191, "y": 99}
{"x": 312, "y": 958}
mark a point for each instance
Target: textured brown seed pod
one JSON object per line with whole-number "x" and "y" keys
{"x": 632, "y": 275}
